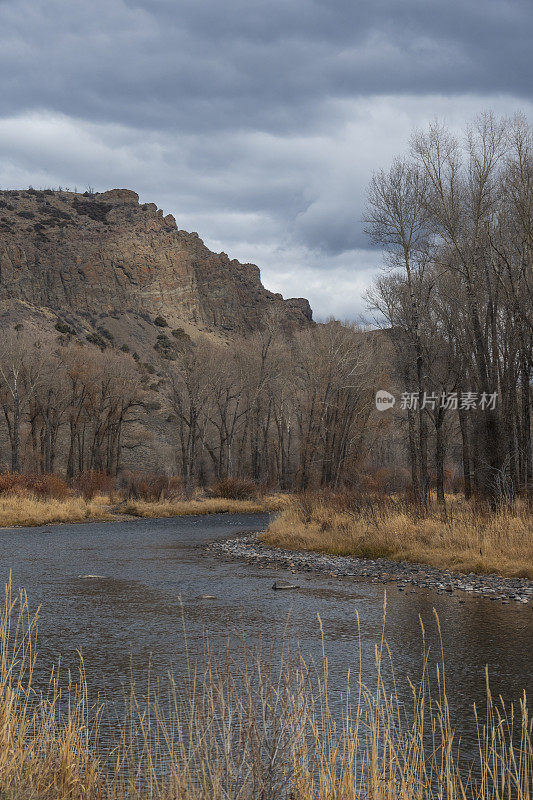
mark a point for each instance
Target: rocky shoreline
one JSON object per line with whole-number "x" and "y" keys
{"x": 401, "y": 573}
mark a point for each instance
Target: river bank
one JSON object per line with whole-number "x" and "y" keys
{"x": 23, "y": 511}
{"x": 405, "y": 575}
{"x": 462, "y": 536}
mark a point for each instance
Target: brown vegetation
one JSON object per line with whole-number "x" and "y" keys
{"x": 247, "y": 729}
{"x": 465, "y": 539}
{"x": 235, "y": 489}
{"x": 149, "y": 487}
{"x": 27, "y": 500}
{"x": 18, "y": 510}
{"x": 42, "y": 486}
{"x": 220, "y": 499}
{"x": 177, "y": 508}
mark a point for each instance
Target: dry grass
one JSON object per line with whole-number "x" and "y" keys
{"x": 467, "y": 540}
{"x": 178, "y": 508}
{"x": 205, "y": 505}
{"x": 26, "y": 510}
{"x": 246, "y": 730}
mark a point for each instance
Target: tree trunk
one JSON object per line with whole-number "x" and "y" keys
{"x": 467, "y": 475}
{"x": 439, "y": 455}
{"x": 15, "y": 440}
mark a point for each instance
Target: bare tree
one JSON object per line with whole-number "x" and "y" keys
{"x": 20, "y": 370}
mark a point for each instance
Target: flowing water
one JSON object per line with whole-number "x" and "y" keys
{"x": 153, "y": 576}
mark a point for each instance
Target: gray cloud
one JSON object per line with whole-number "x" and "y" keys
{"x": 257, "y": 122}
{"x": 262, "y": 64}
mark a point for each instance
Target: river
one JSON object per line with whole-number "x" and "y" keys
{"x": 154, "y": 573}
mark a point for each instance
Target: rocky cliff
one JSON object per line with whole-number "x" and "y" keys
{"x": 94, "y": 260}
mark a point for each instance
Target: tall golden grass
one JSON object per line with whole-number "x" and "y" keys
{"x": 27, "y": 510}
{"x": 203, "y": 505}
{"x": 174, "y": 508}
{"x": 244, "y": 730}
{"x": 465, "y": 539}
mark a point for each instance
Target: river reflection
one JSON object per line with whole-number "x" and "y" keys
{"x": 154, "y": 574}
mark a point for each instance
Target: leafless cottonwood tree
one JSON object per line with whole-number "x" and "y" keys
{"x": 397, "y": 220}
{"x": 466, "y": 318}
{"x": 20, "y": 372}
{"x": 283, "y": 411}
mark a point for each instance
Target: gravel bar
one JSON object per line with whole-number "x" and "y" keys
{"x": 380, "y": 570}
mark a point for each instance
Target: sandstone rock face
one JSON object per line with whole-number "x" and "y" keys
{"x": 104, "y": 254}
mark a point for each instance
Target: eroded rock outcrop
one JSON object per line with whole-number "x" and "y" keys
{"x": 106, "y": 254}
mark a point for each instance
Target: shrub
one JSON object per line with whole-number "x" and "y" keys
{"x": 49, "y": 486}
{"x": 179, "y": 333}
{"x": 91, "y": 208}
{"x": 62, "y": 327}
{"x": 235, "y": 489}
{"x": 391, "y": 480}
{"x": 12, "y": 483}
{"x": 44, "y": 486}
{"x": 99, "y": 341}
{"x": 149, "y": 486}
{"x": 346, "y": 501}
{"x": 93, "y": 482}
{"x": 106, "y": 334}
{"x": 161, "y": 321}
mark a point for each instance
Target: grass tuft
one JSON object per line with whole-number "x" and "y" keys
{"x": 175, "y": 508}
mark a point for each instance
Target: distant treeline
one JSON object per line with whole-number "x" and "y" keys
{"x": 286, "y": 412}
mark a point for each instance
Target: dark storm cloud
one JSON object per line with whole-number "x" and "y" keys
{"x": 264, "y": 64}
{"x": 256, "y": 122}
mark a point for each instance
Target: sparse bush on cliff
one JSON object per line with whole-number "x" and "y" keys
{"x": 99, "y": 341}
{"x": 106, "y": 334}
{"x": 62, "y": 327}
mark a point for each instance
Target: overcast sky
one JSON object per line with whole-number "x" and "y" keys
{"x": 257, "y": 123}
